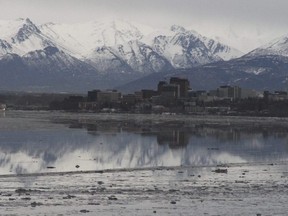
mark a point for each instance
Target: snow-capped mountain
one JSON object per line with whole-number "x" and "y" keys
{"x": 116, "y": 50}
{"x": 182, "y": 48}
{"x": 186, "y": 48}
{"x": 278, "y": 47}
{"x": 222, "y": 51}
{"x": 21, "y": 36}
{"x": 83, "y": 38}
{"x": 265, "y": 68}
{"x": 131, "y": 56}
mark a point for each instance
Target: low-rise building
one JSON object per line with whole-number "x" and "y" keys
{"x": 93, "y": 95}
{"x": 231, "y": 92}
{"x": 108, "y": 96}
{"x": 276, "y": 96}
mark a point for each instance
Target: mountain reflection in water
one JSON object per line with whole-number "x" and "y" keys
{"x": 106, "y": 145}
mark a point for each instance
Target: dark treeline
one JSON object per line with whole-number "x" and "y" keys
{"x": 254, "y": 107}
{"x": 30, "y": 101}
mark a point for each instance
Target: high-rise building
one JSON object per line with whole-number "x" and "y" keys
{"x": 183, "y": 86}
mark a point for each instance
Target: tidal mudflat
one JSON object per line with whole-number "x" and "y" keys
{"x": 117, "y": 164}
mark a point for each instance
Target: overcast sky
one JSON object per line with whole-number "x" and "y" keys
{"x": 232, "y": 19}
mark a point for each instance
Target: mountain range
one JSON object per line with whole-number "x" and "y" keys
{"x": 129, "y": 56}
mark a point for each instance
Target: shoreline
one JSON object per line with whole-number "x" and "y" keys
{"x": 121, "y": 170}
{"x": 57, "y": 116}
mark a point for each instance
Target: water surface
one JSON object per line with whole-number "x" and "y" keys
{"x": 34, "y": 142}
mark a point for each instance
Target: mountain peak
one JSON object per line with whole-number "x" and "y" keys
{"x": 25, "y": 31}
{"x": 278, "y": 47}
{"x": 24, "y": 20}
{"x": 177, "y": 28}
{"x": 28, "y": 21}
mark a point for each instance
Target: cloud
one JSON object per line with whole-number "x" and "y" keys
{"x": 160, "y": 11}
{"x": 263, "y": 18}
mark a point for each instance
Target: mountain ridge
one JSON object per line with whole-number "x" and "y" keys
{"x": 101, "y": 55}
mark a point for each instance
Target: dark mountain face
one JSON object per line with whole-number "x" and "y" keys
{"x": 261, "y": 73}
{"x": 52, "y": 70}
{"x": 5, "y": 45}
{"x": 46, "y": 70}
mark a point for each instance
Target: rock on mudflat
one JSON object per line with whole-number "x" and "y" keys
{"x": 34, "y": 204}
{"x": 112, "y": 197}
{"x": 221, "y": 171}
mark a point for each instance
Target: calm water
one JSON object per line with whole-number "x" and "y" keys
{"x": 37, "y": 142}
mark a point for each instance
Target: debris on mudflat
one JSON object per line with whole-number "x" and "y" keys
{"x": 50, "y": 167}
{"x": 69, "y": 197}
{"x": 21, "y": 190}
{"x": 93, "y": 203}
{"x": 100, "y": 182}
{"x": 34, "y": 204}
{"x": 221, "y": 171}
{"x": 112, "y": 197}
{"x": 26, "y": 198}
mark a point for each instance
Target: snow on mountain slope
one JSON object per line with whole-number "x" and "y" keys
{"x": 42, "y": 59}
{"x": 5, "y": 47}
{"x": 142, "y": 57}
{"x": 186, "y": 49}
{"x": 130, "y": 56}
{"x": 240, "y": 36}
{"x": 83, "y": 38}
{"x": 178, "y": 46}
{"x": 21, "y": 36}
{"x": 103, "y": 59}
{"x": 278, "y": 46}
{"x": 223, "y": 51}
{"x": 10, "y": 27}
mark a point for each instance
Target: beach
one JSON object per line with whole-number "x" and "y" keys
{"x": 235, "y": 189}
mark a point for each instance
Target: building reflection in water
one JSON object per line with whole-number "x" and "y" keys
{"x": 174, "y": 138}
{"x": 104, "y": 145}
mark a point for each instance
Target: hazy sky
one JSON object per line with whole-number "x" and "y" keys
{"x": 230, "y": 19}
